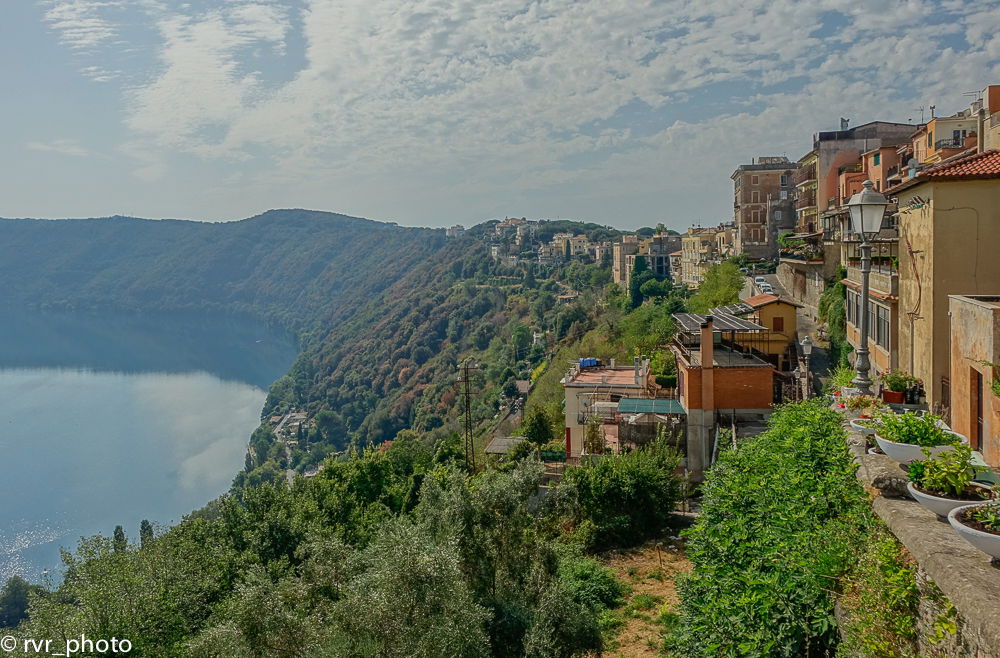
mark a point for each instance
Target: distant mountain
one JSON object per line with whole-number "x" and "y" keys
{"x": 303, "y": 268}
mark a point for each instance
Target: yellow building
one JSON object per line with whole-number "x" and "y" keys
{"x": 699, "y": 252}
{"x": 776, "y": 314}
{"x": 949, "y": 244}
{"x": 805, "y": 194}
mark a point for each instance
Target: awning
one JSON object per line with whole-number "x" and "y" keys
{"x": 649, "y": 406}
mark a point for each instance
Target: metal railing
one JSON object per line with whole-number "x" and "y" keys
{"x": 951, "y": 143}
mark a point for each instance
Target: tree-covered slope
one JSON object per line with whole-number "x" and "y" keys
{"x": 296, "y": 266}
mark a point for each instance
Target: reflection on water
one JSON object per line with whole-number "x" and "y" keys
{"x": 142, "y": 434}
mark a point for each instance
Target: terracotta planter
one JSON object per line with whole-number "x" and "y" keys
{"x": 893, "y": 397}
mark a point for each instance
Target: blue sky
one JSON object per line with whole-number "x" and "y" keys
{"x": 435, "y": 112}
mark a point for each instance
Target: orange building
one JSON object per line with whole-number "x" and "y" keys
{"x": 975, "y": 365}
{"x": 718, "y": 379}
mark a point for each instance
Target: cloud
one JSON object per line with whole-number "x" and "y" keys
{"x": 462, "y": 103}
{"x": 82, "y": 24}
{"x": 60, "y": 146}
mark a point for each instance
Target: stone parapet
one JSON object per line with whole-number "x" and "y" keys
{"x": 964, "y": 575}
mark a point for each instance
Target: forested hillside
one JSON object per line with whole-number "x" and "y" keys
{"x": 301, "y": 268}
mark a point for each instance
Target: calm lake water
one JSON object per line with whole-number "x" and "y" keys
{"x": 109, "y": 420}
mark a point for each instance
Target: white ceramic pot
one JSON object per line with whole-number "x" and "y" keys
{"x": 863, "y": 426}
{"x": 940, "y": 506}
{"x": 986, "y": 542}
{"x": 906, "y": 452}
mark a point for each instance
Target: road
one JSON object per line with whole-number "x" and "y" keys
{"x": 289, "y": 472}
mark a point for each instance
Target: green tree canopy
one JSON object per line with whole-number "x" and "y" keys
{"x": 722, "y": 286}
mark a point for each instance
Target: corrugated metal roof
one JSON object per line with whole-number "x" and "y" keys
{"x": 732, "y": 309}
{"x": 649, "y": 406}
{"x": 692, "y": 322}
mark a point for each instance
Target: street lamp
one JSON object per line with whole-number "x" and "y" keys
{"x": 807, "y": 348}
{"x": 867, "y": 209}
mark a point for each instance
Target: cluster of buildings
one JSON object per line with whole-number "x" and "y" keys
{"x": 516, "y": 239}
{"x": 732, "y": 365}
{"x": 656, "y": 250}
{"x": 934, "y": 300}
{"x": 935, "y": 274}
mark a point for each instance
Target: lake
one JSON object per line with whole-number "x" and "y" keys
{"x": 109, "y": 419}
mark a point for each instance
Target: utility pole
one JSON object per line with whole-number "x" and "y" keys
{"x": 470, "y": 446}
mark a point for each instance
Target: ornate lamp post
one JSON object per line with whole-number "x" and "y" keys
{"x": 867, "y": 209}
{"x": 807, "y": 348}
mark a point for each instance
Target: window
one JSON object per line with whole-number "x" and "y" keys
{"x": 882, "y": 327}
{"x": 784, "y": 181}
{"x": 754, "y": 196}
{"x": 755, "y": 180}
{"x": 779, "y": 324}
{"x": 755, "y": 216}
{"x": 930, "y": 138}
{"x": 777, "y": 215}
{"x": 784, "y": 194}
{"x": 877, "y": 160}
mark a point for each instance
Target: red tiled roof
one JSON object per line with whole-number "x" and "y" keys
{"x": 765, "y": 299}
{"x": 978, "y": 166}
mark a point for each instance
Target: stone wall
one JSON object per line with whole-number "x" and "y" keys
{"x": 957, "y": 582}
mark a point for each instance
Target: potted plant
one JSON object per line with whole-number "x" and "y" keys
{"x": 980, "y": 526}
{"x": 894, "y": 383}
{"x": 904, "y": 436}
{"x": 944, "y": 482}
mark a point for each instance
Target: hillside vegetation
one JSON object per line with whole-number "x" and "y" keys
{"x": 300, "y": 268}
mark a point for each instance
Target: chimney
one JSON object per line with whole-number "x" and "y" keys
{"x": 635, "y": 369}
{"x": 707, "y": 360}
{"x": 707, "y": 343}
{"x": 612, "y": 364}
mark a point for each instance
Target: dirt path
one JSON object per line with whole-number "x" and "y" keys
{"x": 650, "y": 571}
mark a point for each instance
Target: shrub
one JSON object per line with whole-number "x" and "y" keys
{"x": 780, "y": 523}
{"x": 590, "y": 583}
{"x": 627, "y": 497}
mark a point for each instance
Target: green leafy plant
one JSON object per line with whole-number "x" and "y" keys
{"x": 988, "y": 515}
{"x": 841, "y": 378}
{"x": 782, "y": 519}
{"x": 948, "y": 474}
{"x": 914, "y": 430}
{"x": 896, "y": 380}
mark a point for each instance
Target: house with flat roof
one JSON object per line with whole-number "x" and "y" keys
{"x": 719, "y": 380}
{"x": 593, "y": 391}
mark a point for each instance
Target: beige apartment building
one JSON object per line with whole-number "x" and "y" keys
{"x": 698, "y": 254}
{"x": 655, "y": 250}
{"x": 949, "y": 244}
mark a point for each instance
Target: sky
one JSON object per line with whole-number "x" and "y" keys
{"x": 437, "y": 112}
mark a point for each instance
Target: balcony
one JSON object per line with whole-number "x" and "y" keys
{"x": 951, "y": 143}
{"x": 806, "y": 200}
{"x": 805, "y": 175}
{"x": 883, "y": 279}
